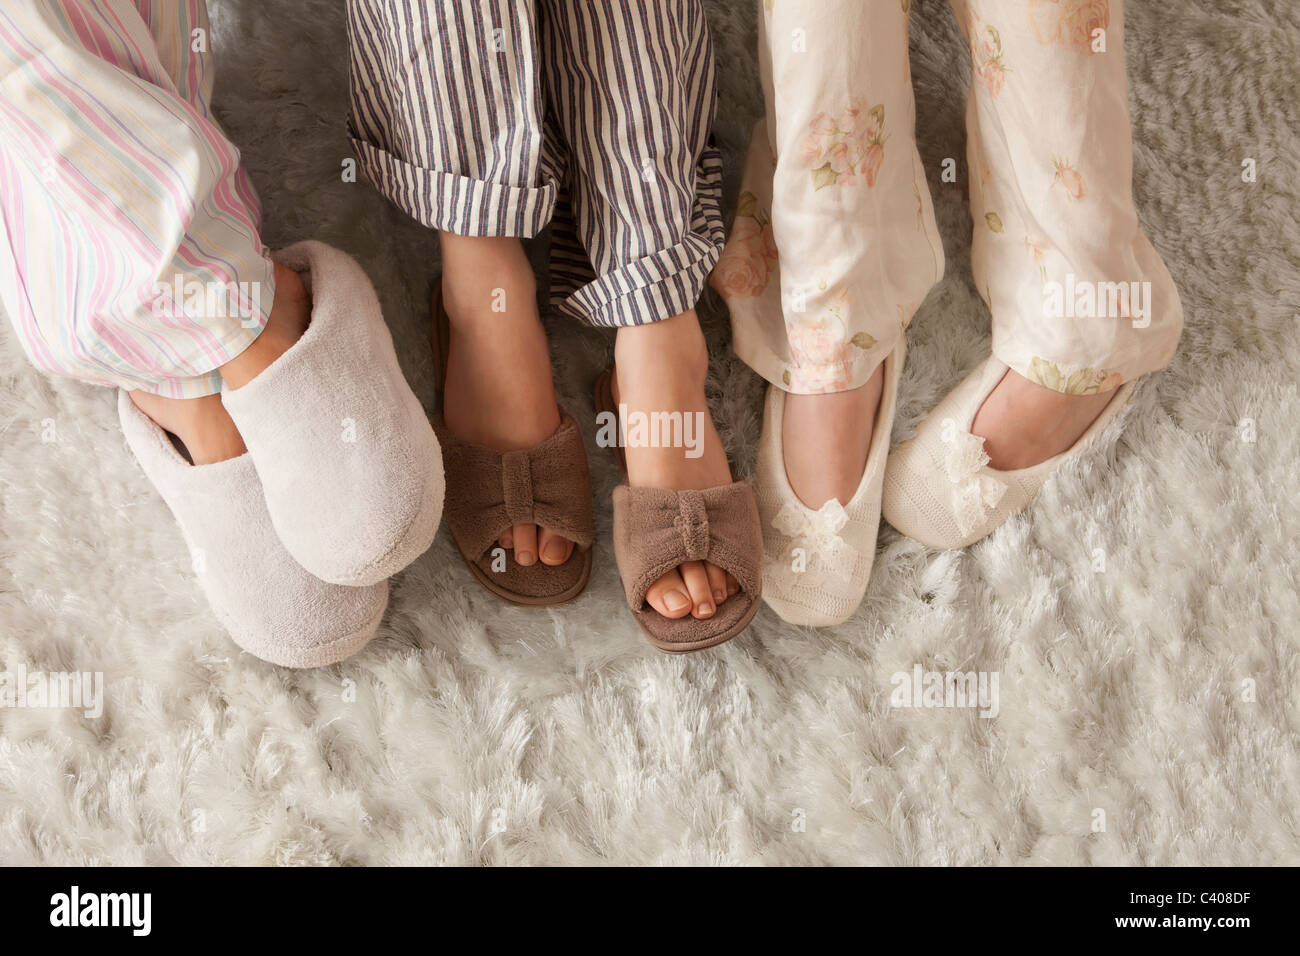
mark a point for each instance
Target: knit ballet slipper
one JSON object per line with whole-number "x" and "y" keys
{"x": 939, "y": 489}
{"x": 817, "y": 562}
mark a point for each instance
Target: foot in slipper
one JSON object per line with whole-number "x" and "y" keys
{"x": 983, "y": 453}
{"x": 821, "y": 464}
{"x": 693, "y": 582}
{"x": 266, "y": 601}
{"x": 518, "y": 489}
{"x": 347, "y": 459}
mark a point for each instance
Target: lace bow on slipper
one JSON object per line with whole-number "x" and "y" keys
{"x": 974, "y": 494}
{"x": 818, "y": 533}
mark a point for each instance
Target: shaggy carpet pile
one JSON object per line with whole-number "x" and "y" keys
{"x": 1142, "y": 619}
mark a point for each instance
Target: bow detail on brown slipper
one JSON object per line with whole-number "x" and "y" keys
{"x": 658, "y": 529}
{"x": 547, "y": 484}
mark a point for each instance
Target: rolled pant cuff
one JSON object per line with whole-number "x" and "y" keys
{"x": 652, "y": 289}
{"x": 454, "y": 203}
{"x": 1072, "y": 376}
{"x": 199, "y": 386}
{"x": 851, "y": 371}
{"x": 228, "y": 331}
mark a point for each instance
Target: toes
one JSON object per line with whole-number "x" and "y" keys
{"x": 525, "y": 544}
{"x": 697, "y": 585}
{"x": 553, "y": 547}
{"x": 669, "y": 596}
{"x": 535, "y": 544}
{"x": 717, "y": 582}
{"x": 733, "y": 586}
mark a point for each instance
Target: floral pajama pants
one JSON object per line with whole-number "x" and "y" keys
{"x": 131, "y": 253}
{"x": 835, "y": 243}
{"x": 501, "y": 117}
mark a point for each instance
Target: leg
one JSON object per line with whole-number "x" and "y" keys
{"x": 834, "y": 244}
{"x": 662, "y": 366}
{"x": 113, "y": 170}
{"x": 499, "y": 390}
{"x": 447, "y": 116}
{"x": 632, "y": 87}
{"x": 1050, "y": 158}
{"x": 202, "y": 423}
{"x": 143, "y": 141}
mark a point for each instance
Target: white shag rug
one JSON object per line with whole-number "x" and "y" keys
{"x": 1142, "y": 619}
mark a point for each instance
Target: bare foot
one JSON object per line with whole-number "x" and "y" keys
{"x": 202, "y": 424}
{"x": 661, "y": 367}
{"x": 499, "y": 392}
{"x": 826, "y": 439}
{"x": 1023, "y": 423}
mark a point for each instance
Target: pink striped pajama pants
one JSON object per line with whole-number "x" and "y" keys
{"x": 131, "y": 253}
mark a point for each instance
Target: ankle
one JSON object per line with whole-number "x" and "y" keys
{"x": 288, "y": 320}
{"x": 1023, "y": 423}
{"x": 671, "y": 352}
{"x": 291, "y": 295}
{"x": 827, "y": 440}
{"x": 202, "y": 425}
{"x": 486, "y": 277}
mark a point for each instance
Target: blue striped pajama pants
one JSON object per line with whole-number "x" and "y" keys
{"x": 501, "y": 117}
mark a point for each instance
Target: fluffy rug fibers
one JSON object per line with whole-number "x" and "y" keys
{"x": 1141, "y": 621}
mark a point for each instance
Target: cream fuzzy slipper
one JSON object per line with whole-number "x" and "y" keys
{"x": 939, "y": 489}
{"x": 816, "y": 564}
{"x": 272, "y": 608}
{"x": 347, "y": 458}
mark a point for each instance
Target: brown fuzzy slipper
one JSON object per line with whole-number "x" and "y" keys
{"x": 489, "y": 491}
{"x": 657, "y": 529}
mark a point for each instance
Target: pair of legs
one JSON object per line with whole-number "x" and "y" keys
{"x": 132, "y": 258}
{"x": 140, "y": 195}
{"x": 499, "y": 393}
{"x": 836, "y": 246}
{"x": 491, "y": 123}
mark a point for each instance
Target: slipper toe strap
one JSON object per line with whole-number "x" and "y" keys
{"x": 489, "y": 491}
{"x": 658, "y": 529}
